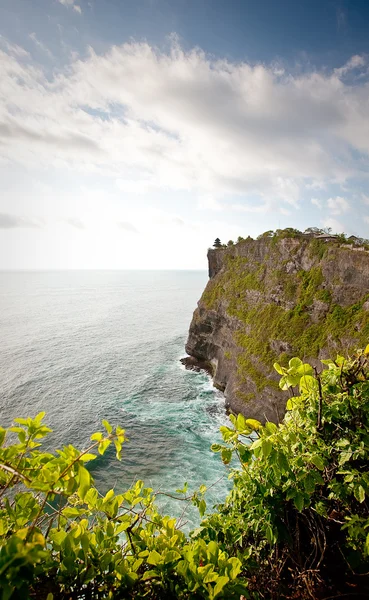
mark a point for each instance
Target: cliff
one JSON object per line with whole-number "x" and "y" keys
{"x": 271, "y": 299}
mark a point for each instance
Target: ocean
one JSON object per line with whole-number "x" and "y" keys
{"x": 90, "y": 345}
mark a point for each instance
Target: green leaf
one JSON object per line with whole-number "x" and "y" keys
{"x": 359, "y": 493}
{"x": 308, "y": 384}
{"x": 107, "y": 426}
{"x": 150, "y": 575}
{"x": 102, "y": 447}
{"x": 283, "y": 383}
{"x": 220, "y": 584}
{"x": 70, "y": 512}
{"x": 91, "y": 497}
{"x": 240, "y": 422}
{"x": 226, "y": 455}
{"x": 154, "y": 558}
{"x": 309, "y": 483}
{"x": 38, "y": 418}
{"x": 270, "y": 427}
{"x": 2, "y": 435}
{"x": 84, "y": 482}
{"x": 317, "y": 462}
{"x": 305, "y": 370}
{"x": 87, "y": 457}
{"x": 299, "y": 501}
{"x": 202, "y": 507}
{"x": 171, "y": 556}
{"x": 108, "y": 496}
{"x": 278, "y": 368}
{"x": 269, "y": 535}
{"x": 236, "y": 567}
{"x": 256, "y": 444}
{"x": 295, "y": 363}
{"x": 283, "y": 462}
{"x": 58, "y": 536}
{"x": 253, "y": 423}
{"x": 266, "y": 447}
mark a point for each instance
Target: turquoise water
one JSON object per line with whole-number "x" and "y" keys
{"x": 89, "y": 345}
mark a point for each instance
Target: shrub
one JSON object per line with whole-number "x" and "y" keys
{"x": 294, "y": 526}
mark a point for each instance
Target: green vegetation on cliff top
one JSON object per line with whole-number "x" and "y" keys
{"x": 301, "y": 319}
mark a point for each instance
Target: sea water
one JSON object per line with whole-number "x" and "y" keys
{"x": 91, "y": 345}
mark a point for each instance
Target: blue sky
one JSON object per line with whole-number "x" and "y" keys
{"x": 134, "y": 132}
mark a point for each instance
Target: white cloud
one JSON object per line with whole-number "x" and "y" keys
{"x": 13, "y": 49}
{"x": 285, "y": 211}
{"x": 334, "y": 224}
{"x": 208, "y": 202}
{"x": 8, "y": 221}
{"x": 316, "y": 202}
{"x": 257, "y": 208}
{"x": 355, "y": 62}
{"x": 40, "y": 45}
{"x": 338, "y": 205}
{"x": 75, "y": 222}
{"x": 366, "y": 219}
{"x": 184, "y": 121}
{"x": 71, "y": 3}
{"x": 128, "y": 226}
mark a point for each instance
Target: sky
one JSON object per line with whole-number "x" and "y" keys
{"x": 135, "y": 132}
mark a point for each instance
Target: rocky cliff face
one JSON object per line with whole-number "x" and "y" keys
{"x": 270, "y": 299}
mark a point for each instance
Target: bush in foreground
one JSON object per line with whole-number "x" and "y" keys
{"x": 295, "y": 525}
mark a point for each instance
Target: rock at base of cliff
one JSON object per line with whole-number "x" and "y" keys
{"x": 194, "y": 364}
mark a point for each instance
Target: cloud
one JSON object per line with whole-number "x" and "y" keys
{"x": 258, "y": 208}
{"x": 148, "y": 119}
{"x": 71, "y": 3}
{"x": 74, "y": 222}
{"x": 316, "y": 202}
{"x": 285, "y": 211}
{"x": 341, "y": 18}
{"x": 208, "y": 202}
{"x": 40, "y": 45}
{"x": 135, "y": 186}
{"x": 355, "y": 62}
{"x": 336, "y": 226}
{"x": 366, "y": 219}
{"x": 338, "y": 205}
{"x": 128, "y": 227}
{"x": 8, "y": 221}
{"x": 13, "y": 49}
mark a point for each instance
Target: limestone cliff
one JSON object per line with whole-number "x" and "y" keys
{"x": 273, "y": 298}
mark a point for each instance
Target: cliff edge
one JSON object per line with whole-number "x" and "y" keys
{"x": 274, "y": 298}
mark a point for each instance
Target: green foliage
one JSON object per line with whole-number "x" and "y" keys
{"x": 304, "y": 327}
{"x": 60, "y": 538}
{"x": 295, "y": 524}
{"x": 298, "y": 514}
{"x": 318, "y": 248}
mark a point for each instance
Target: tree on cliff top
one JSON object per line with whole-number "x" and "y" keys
{"x": 217, "y": 243}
